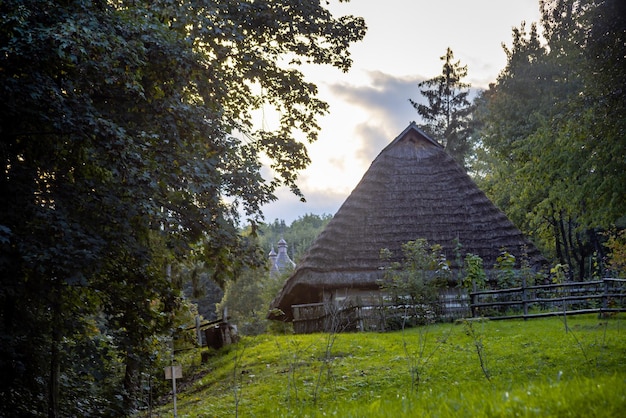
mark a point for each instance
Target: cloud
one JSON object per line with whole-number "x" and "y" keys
{"x": 386, "y": 96}
{"x": 385, "y": 99}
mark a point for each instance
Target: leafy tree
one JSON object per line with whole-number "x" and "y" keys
{"x": 199, "y": 288}
{"x": 247, "y": 299}
{"x": 447, "y": 114}
{"x": 617, "y": 256}
{"x": 553, "y": 124}
{"x": 119, "y": 147}
{"x": 506, "y": 273}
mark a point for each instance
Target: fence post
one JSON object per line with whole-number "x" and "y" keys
{"x": 524, "y": 298}
{"x": 472, "y": 303}
{"x": 198, "y": 331}
{"x": 359, "y": 314}
{"x": 605, "y": 297}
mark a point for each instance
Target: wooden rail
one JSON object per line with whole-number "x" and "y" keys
{"x": 571, "y": 298}
{"x": 599, "y": 296}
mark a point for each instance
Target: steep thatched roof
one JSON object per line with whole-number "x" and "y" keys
{"x": 412, "y": 190}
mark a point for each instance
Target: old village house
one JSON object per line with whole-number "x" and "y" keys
{"x": 413, "y": 189}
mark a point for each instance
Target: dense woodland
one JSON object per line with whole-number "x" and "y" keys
{"x": 547, "y": 140}
{"x": 552, "y": 132}
{"x": 129, "y": 160}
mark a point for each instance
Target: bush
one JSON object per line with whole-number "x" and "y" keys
{"x": 415, "y": 281}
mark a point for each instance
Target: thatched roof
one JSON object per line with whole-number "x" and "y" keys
{"x": 412, "y": 190}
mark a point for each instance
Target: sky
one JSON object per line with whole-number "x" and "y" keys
{"x": 369, "y": 105}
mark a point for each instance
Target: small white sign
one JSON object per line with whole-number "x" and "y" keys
{"x": 176, "y": 371}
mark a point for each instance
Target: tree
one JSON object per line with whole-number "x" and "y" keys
{"x": 617, "y": 257}
{"x": 120, "y": 148}
{"x": 508, "y": 113}
{"x": 554, "y": 122}
{"x": 447, "y": 114}
{"x": 299, "y": 235}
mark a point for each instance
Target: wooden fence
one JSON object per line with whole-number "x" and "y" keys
{"x": 351, "y": 315}
{"x": 598, "y": 296}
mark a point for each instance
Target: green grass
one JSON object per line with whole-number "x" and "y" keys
{"x": 529, "y": 369}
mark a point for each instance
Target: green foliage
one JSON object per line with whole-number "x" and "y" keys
{"x": 617, "y": 256}
{"x": 528, "y": 275}
{"x": 248, "y": 297}
{"x": 415, "y": 281}
{"x": 247, "y": 300}
{"x": 199, "y": 287}
{"x": 458, "y": 260}
{"x": 128, "y": 130}
{"x": 299, "y": 235}
{"x": 447, "y": 115}
{"x": 536, "y": 369}
{"x": 559, "y": 273}
{"x": 506, "y": 273}
{"x": 552, "y": 129}
{"x": 477, "y": 339}
{"x": 475, "y": 277}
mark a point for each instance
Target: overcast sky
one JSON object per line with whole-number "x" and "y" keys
{"x": 369, "y": 106}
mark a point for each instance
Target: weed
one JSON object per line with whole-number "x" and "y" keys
{"x": 478, "y": 344}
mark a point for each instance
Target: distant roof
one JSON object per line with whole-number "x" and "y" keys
{"x": 413, "y": 189}
{"x": 280, "y": 262}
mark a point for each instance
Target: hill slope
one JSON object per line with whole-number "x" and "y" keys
{"x": 543, "y": 367}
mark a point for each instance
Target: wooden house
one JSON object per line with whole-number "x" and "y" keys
{"x": 413, "y": 189}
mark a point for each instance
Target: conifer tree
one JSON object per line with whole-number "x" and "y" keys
{"x": 447, "y": 114}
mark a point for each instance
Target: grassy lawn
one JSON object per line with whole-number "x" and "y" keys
{"x": 535, "y": 368}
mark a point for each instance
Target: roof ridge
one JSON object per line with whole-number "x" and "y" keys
{"x": 413, "y": 127}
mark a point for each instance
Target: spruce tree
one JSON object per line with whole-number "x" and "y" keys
{"x": 447, "y": 114}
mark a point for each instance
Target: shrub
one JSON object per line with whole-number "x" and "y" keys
{"x": 414, "y": 282}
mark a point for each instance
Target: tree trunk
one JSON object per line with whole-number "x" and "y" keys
{"x": 566, "y": 248}
{"x": 53, "y": 384}
{"x": 131, "y": 382}
{"x": 557, "y": 239}
{"x": 55, "y": 358}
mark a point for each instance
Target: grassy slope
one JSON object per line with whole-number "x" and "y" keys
{"x": 530, "y": 369}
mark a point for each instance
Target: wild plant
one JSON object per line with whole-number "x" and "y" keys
{"x": 238, "y": 375}
{"x": 478, "y": 345}
{"x": 505, "y": 269}
{"x": 458, "y": 260}
{"x": 294, "y": 355}
{"x": 529, "y": 276}
{"x": 334, "y": 325}
{"x": 475, "y": 278}
{"x": 418, "y": 359}
{"x": 559, "y": 275}
{"x": 415, "y": 281}
{"x": 414, "y": 284}
{"x": 616, "y": 260}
